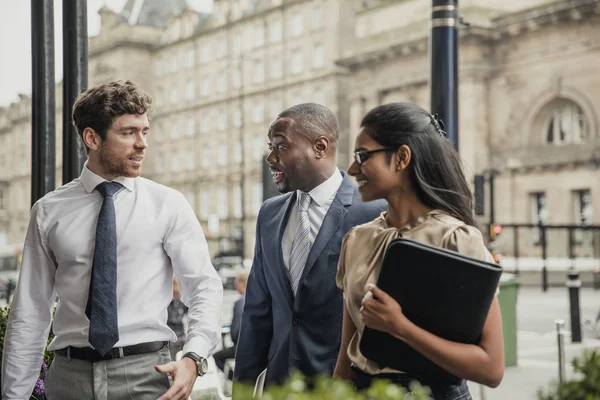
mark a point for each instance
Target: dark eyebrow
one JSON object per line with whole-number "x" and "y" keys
{"x": 132, "y": 127}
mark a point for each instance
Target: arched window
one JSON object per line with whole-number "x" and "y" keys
{"x": 566, "y": 123}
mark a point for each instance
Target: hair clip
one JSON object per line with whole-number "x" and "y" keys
{"x": 438, "y": 124}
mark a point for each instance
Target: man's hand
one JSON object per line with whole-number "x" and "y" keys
{"x": 184, "y": 373}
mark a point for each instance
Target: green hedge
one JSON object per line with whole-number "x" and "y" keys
{"x": 332, "y": 389}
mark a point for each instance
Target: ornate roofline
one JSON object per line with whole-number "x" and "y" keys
{"x": 502, "y": 27}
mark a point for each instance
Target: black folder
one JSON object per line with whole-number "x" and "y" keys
{"x": 441, "y": 291}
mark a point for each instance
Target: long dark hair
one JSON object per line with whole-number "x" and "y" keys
{"x": 435, "y": 169}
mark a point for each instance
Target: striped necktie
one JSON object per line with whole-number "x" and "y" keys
{"x": 301, "y": 244}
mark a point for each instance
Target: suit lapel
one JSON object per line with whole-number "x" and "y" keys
{"x": 280, "y": 220}
{"x": 332, "y": 222}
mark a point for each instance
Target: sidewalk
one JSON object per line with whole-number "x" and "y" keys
{"x": 537, "y": 348}
{"x": 537, "y": 366}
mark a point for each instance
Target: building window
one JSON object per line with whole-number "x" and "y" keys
{"x": 275, "y": 31}
{"x": 204, "y": 124}
{"x": 204, "y": 206}
{"x": 258, "y": 148}
{"x": 222, "y": 82}
{"x": 222, "y": 155}
{"x": 297, "y": 61}
{"x": 259, "y": 72}
{"x": 190, "y": 91}
{"x": 191, "y": 127}
{"x": 190, "y": 59}
{"x": 175, "y": 163}
{"x": 539, "y": 214}
{"x": 582, "y": 200}
{"x": 159, "y": 97}
{"x": 319, "y": 96}
{"x": 258, "y": 112}
{"x": 237, "y": 77}
{"x": 237, "y": 201}
{"x": 158, "y": 67}
{"x": 158, "y": 165}
{"x": 567, "y": 124}
{"x": 206, "y": 157}
{"x": 318, "y": 60}
{"x": 174, "y": 62}
{"x": 297, "y": 97}
{"x": 174, "y": 96}
{"x": 190, "y": 160}
{"x": 158, "y": 133}
{"x": 257, "y": 197}
{"x": 317, "y": 18}
{"x": 222, "y": 49}
{"x": 237, "y": 118}
{"x": 276, "y": 68}
{"x": 222, "y": 120}
{"x": 222, "y": 203}
{"x": 190, "y": 196}
{"x": 205, "y": 86}
{"x": 237, "y": 154}
{"x": 276, "y": 106}
{"x": 259, "y": 36}
{"x": 174, "y": 130}
{"x": 205, "y": 53}
{"x": 297, "y": 24}
{"x": 237, "y": 44}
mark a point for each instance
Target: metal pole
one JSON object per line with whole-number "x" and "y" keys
{"x": 243, "y": 164}
{"x": 544, "y": 258}
{"x": 492, "y": 209}
{"x": 560, "y": 336}
{"x": 516, "y": 249}
{"x": 43, "y": 166}
{"x": 574, "y": 284}
{"x": 444, "y": 65}
{"x": 75, "y": 74}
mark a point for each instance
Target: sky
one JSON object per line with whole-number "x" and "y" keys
{"x": 15, "y": 41}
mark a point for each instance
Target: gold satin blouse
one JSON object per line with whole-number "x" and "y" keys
{"x": 362, "y": 253}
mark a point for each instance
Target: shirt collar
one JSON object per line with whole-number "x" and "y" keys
{"x": 90, "y": 180}
{"x": 327, "y": 189}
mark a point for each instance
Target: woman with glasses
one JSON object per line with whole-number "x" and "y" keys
{"x": 402, "y": 155}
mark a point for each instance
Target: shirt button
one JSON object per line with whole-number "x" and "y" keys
{"x": 296, "y": 321}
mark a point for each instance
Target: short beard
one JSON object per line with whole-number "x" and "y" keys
{"x": 113, "y": 165}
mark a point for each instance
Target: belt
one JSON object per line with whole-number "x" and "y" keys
{"x": 91, "y": 355}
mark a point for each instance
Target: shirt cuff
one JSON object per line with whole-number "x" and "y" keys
{"x": 197, "y": 345}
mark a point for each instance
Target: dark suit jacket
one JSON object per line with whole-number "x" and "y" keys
{"x": 281, "y": 332}
{"x": 236, "y": 321}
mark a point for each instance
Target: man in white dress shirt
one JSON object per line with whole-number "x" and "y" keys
{"x": 107, "y": 245}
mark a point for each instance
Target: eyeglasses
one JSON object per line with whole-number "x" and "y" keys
{"x": 360, "y": 156}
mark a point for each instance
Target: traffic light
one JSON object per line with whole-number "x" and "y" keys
{"x": 495, "y": 231}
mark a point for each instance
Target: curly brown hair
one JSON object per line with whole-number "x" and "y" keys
{"x": 98, "y": 106}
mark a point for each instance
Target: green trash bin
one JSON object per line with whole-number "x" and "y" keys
{"x": 509, "y": 289}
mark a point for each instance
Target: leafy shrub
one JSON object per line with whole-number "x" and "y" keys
{"x": 586, "y": 384}
{"x": 332, "y": 389}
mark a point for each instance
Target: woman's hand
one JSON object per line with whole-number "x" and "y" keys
{"x": 381, "y": 312}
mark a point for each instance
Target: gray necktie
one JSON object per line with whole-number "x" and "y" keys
{"x": 102, "y": 299}
{"x": 302, "y": 243}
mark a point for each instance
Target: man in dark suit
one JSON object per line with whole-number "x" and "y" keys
{"x": 221, "y": 356}
{"x": 293, "y": 313}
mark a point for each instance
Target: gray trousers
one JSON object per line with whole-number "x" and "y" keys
{"x": 128, "y": 378}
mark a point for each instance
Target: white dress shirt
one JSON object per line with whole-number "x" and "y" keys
{"x": 321, "y": 198}
{"x": 158, "y": 235}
